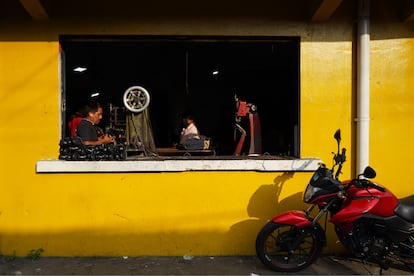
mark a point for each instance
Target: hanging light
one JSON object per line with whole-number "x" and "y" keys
{"x": 80, "y": 69}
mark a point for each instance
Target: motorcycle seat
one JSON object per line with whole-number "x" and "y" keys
{"x": 405, "y": 208}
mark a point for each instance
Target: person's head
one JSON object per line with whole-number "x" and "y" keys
{"x": 93, "y": 112}
{"x": 188, "y": 119}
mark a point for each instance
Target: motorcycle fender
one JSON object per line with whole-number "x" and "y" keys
{"x": 300, "y": 219}
{"x": 297, "y": 218}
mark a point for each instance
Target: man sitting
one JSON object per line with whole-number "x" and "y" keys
{"x": 87, "y": 127}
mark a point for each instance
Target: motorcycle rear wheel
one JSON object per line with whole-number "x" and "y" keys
{"x": 287, "y": 248}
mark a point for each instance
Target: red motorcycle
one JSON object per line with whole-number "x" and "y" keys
{"x": 369, "y": 221}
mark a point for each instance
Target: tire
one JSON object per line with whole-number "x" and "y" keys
{"x": 275, "y": 247}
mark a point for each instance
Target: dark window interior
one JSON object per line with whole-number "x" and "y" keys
{"x": 178, "y": 74}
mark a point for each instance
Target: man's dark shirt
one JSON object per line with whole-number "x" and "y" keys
{"x": 87, "y": 131}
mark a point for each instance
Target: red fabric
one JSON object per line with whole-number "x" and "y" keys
{"x": 73, "y": 124}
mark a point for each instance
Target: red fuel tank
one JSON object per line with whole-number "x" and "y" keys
{"x": 361, "y": 201}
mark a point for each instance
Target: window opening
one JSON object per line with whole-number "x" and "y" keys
{"x": 197, "y": 75}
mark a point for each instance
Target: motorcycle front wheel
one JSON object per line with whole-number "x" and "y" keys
{"x": 287, "y": 248}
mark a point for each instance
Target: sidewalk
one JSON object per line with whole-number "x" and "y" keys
{"x": 234, "y": 265}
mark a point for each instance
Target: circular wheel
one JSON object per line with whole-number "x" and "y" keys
{"x": 136, "y": 99}
{"x": 287, "y": 248}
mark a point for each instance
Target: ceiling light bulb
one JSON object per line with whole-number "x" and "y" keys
{"x": 80, "y": 69}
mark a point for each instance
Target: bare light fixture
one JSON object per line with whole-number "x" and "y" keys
{"x": 80, "y": 69}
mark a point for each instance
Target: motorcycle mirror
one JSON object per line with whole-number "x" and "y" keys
{"x": 337, "y": 136}
{"x": 369, "y": 172}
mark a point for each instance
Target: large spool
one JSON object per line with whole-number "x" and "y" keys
{"x": 136, "y": 99}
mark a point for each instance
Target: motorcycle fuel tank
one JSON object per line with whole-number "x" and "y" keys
{"x": 362, "y": 201}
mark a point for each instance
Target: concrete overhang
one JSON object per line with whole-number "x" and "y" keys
{"x": 35, "y": 9}
{"x": 322, "y": 10}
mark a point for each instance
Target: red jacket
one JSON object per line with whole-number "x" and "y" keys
{"x": 73, "y": 124}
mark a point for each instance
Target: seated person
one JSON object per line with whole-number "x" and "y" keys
{"x": 73, "y": 123}
{"x": 190, "y": 138}
{"x": 87, "y": 128}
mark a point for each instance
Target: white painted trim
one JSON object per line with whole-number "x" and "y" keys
{"x": 265, "y": 165}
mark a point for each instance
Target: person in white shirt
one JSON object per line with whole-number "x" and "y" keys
{"x": 190, "y": 137}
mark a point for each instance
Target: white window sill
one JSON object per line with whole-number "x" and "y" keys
{"x": 177, "y": 165}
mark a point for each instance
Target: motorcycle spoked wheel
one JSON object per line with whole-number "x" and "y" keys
{"x": 274, "y": 247}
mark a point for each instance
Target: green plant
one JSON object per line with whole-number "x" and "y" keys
{"x": 34, "y": 254}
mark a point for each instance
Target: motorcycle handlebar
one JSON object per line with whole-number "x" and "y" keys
{"x": 364, "y": 183}
{"x": 379, "y": 188}
{"x": 340, "y": 158}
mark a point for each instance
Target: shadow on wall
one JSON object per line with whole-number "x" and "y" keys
{"x": 263, "y": 206}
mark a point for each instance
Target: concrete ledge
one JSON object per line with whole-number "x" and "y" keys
{"x": 60, "y": 166}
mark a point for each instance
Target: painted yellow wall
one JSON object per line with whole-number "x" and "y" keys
{"x": 392, "y": 107}
{"x": 196, "y": 213}
{"x": 145, "y": 214}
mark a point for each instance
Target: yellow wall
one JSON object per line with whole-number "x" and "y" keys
{"x": 144, "y": 214}
{"x": 197, "y": 213}
{"x": 392, "y": 108}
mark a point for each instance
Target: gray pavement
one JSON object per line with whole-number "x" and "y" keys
{"x": 184, "y": 265}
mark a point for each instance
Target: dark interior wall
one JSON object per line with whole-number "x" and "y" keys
{"x": 178, "y": 73}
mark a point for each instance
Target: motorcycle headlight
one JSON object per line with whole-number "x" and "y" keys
{"x": 310, "y": 192}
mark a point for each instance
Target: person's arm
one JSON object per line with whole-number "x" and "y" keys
{"x": 87, "y": 132}
{"x": 101, "y": 140}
